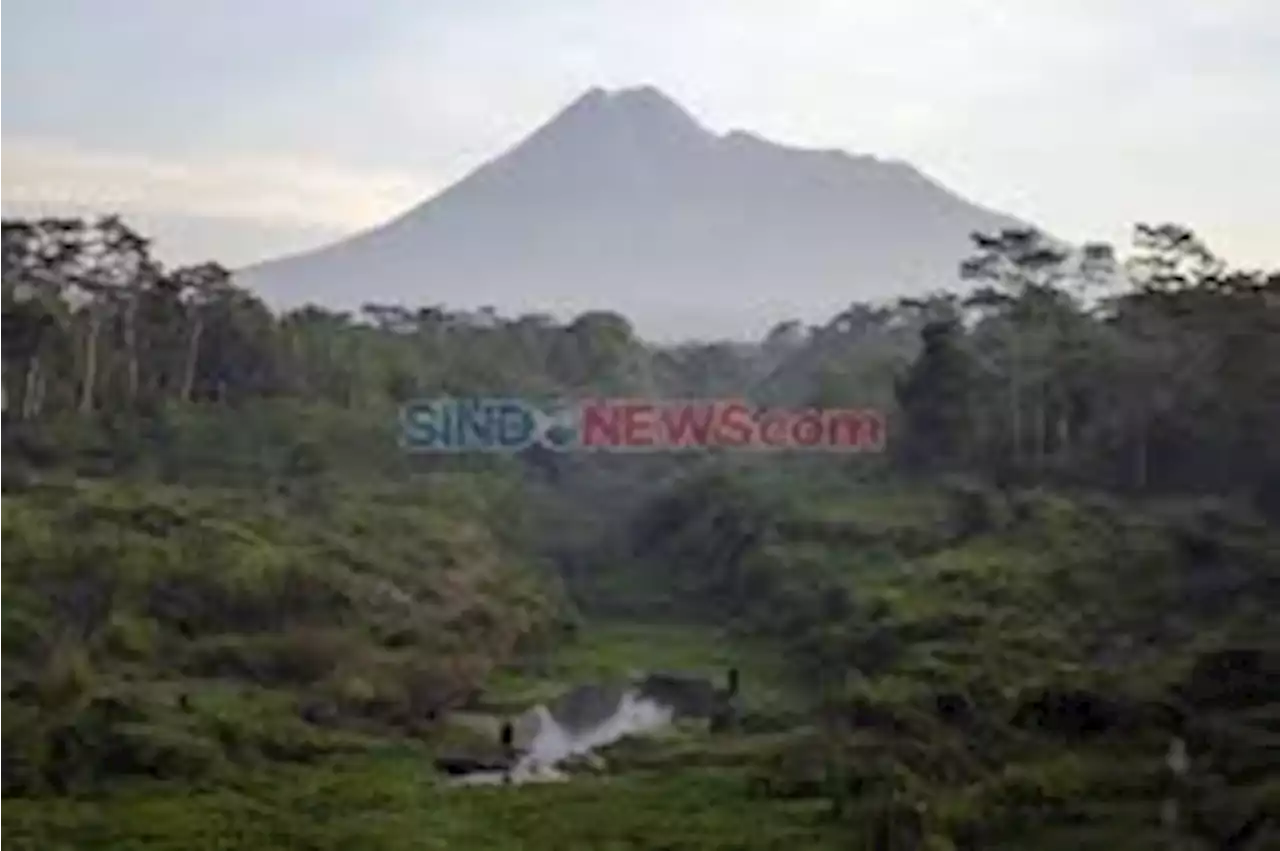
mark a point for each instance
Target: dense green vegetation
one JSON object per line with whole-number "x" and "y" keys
{"x": 236, "y": 615}
{"x": 964, "y": 642}
{"x": 158, "y": 629}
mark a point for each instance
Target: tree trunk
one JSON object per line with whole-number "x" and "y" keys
{"x": 1015, "y": 398}
{"x": 1140, "y": 459}
{"x": 1042, "y": 429}
{"x": 131, "y": 348}
{"x": 90, "y": 378}
{"x": 27, "y": 406}
{"x": 1015, "y": 417}
{"x": 42, "y": 389}
{"x": 193, "y": 356}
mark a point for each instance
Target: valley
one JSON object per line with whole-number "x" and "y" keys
{"x": 238, "y": 615}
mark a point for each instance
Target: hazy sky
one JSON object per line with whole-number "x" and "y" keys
{"x": 241, "y": 129}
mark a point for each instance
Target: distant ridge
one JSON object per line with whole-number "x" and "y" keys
{"x": 624, "y": 201}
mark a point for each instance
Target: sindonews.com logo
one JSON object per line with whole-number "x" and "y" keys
{"x": 632, "y": 425}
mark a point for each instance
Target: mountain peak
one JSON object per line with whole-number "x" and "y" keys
{"x": 624, "y": 201}
{"x": 643, "y": 109}
{"x": 644, "y": 97}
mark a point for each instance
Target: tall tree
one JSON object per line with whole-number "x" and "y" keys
{"x": 935, "y": 400}
{"x": 199, "y": 287}
{"x": 1020, "y": 268}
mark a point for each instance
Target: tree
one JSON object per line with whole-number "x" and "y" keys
{"x": 199, "y": 287}
{"x": 36, "y": 320}
{"x": 1168, "y": 258}
{"x": 935, "y": 400}
{"x": 1030, "y": 318}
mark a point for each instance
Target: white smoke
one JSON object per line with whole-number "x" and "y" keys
{"x": 552, "y": 744}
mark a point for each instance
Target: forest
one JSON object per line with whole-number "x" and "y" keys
{"x": 238, "y": 615}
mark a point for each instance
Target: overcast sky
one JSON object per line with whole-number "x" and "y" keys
{"x": 242, "y": 129}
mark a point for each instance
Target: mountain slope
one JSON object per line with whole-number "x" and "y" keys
{"x": 624, "y": 201}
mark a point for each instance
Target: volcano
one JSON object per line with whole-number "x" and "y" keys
{"x": 625, "y": 202}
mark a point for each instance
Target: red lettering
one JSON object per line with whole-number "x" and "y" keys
{"x": 638, "y": 424}
{"x": 857, "y": 430}
{"x": 601, "y": 425}
{"x": 844, "y": 428}
{"x": 736, "y": 425}
{"x": 875, "y": 431}
{"x": 684, "y": 421}
{"x": 773, "y": 430}
{"x": 641, "y": 424}
{"x": 807, "y": 429}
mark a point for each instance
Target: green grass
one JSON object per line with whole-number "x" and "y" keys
{"x": 394, "y": 803}
{"x": 665, "y": 794}
{"x": 610, "y": 651}
{"x": 983, "y": 620}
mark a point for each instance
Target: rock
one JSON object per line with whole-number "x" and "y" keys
{"x": 586, "y": 762}
{"x": 954, "y": 708}
{"x": 1072, "y": 713}
{"x": 1233, "y": 678}
{"x": 456, "y": 765}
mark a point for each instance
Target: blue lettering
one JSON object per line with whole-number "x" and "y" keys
{"x": 421, "y": 424}
{"x": 516, "y": 425}
{"x": 475, "y": 425}
{"x": 451, "y": 425}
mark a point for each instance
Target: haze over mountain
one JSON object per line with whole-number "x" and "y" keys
{"x": 623, "y": 201}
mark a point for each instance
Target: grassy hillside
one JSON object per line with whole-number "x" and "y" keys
{"x": 683, "y": 790}
{"x": 392, "y": 803}
{"x": 171, "y": 631}
{"x": 993, "y": 669}
{"x": 269, "y": 653}
{"x": 942, "y": 668}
